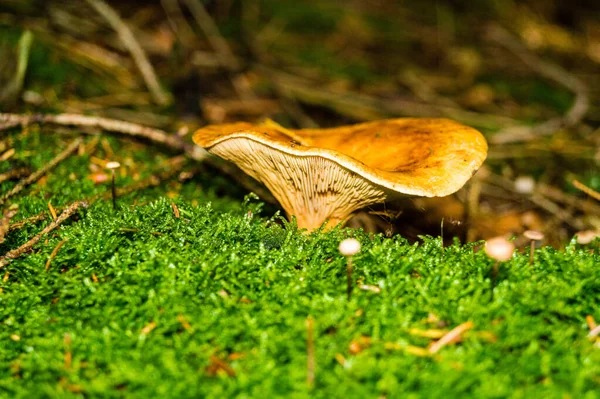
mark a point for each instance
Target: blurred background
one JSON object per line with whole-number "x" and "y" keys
{"x": 526, "y": 74}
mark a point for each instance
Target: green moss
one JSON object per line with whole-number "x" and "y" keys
{"x": 125, "y": 283}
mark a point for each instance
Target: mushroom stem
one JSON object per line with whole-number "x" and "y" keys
{"x": 349, "y": 277}
{"x": 531, "y": 251}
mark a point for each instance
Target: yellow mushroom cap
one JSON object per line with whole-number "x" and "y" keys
{"x": 321, "y": 174}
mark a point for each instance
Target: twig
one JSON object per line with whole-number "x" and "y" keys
{"x": 53, "y": 253}
{"x": 220, "y": 45}
{"x": 175, "y": 210}
{"x": 591, "y": 192}
{"x": 5, "y": 221}
{"x": 537, "y": 198}
{"x": 288, "y": 101}
{"x": 451, "y": 336}
{"x": 14, "y": 174}
{"x": 211, "y": 31}
{"x": 558, "y": 195}
{"x": 153, "y": 181}
{"x": 155, "y": 135}
{"x": 177, "y": 20}
{"x": 15, "y": 253}
{"x": 35, "y": 176}
{"x": 364, "y": 107}
{"x": 11, "y": 90}
{"x": 110, "y": 125}
{"x": 33, "y": 219}
{"x": 550, "y": 71}
{"x": 134, "y": 48}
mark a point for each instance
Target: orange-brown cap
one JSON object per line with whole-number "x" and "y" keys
{"x": 326, "y": 174}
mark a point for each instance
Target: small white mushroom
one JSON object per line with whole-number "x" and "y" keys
{"x": 113, "y": 165}
{"x": 524, "y": 185}
{"x": 534, "y": 236}
{"x": 499, "y": 249}
{"x": 349, "y": 247}
{"x": 587, "y": 236}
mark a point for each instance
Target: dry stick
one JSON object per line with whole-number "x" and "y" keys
{"x": 33, "y": 219}
{"x": 451, "y": 336}
{"x": 177, "y": 20}
{"x": 219, "y": 44}
{"x": 550, "y": 71}
{"x": 364, "y": 107}
{"x": 589, "y": 191}
{"x": 54, "y": 252}
{"x": 5, "y": 221}
{"x": 211, "y": 31}
{"x": 132, "y": 129}
{"x": 288, "y": 101}
{"x": 111, "y": 125}
{"x": 15, "y": 253}
{"x": 134, "y": 48}
{"x": 537, "y": 198}
{"x": 558, "y": 195}
{"x": 35, "y": 176}
{"x": 14, "y": 174}
{"x": 150, "y": 182}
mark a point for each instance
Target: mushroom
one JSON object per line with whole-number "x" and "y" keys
{"x": 324, "y": 175}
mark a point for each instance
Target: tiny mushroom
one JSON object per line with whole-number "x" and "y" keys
{"x": 587, "y": 236}
{"x": 499, "y": 249}
{"x": 113, "y": 166}
{"x": 534, "y": 236}
{"x": 349, "y": 247}
{"x": 324, "y": 175}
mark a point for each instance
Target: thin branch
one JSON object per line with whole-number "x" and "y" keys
{"x": 33, "y": 219}
{"x": 153, "y": 181}
{"x": 175, "y": 142}
{"x": 177, "y": 20}
{"x": 35, "y": 176}
{"x": 211, "y": 31}
{"x": 8, "y": 121}
{"x": 134, "y": 48}
{"x": 12, "y": 88}
{"x": 451, "y": 336}
{"x": 67, "y": 213}
{"x": 550, "y": 71}
{"x": 220, "y": 45}
{"x": 537, "y": 198}
{"x": 5, "y": 221}
{"x": 54, "y": 253}
{"x": 364, "y": 107}
{"x": 14, "y": 174}
{"x": 558, "y": 195}
{"x": 589, "y": 191}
